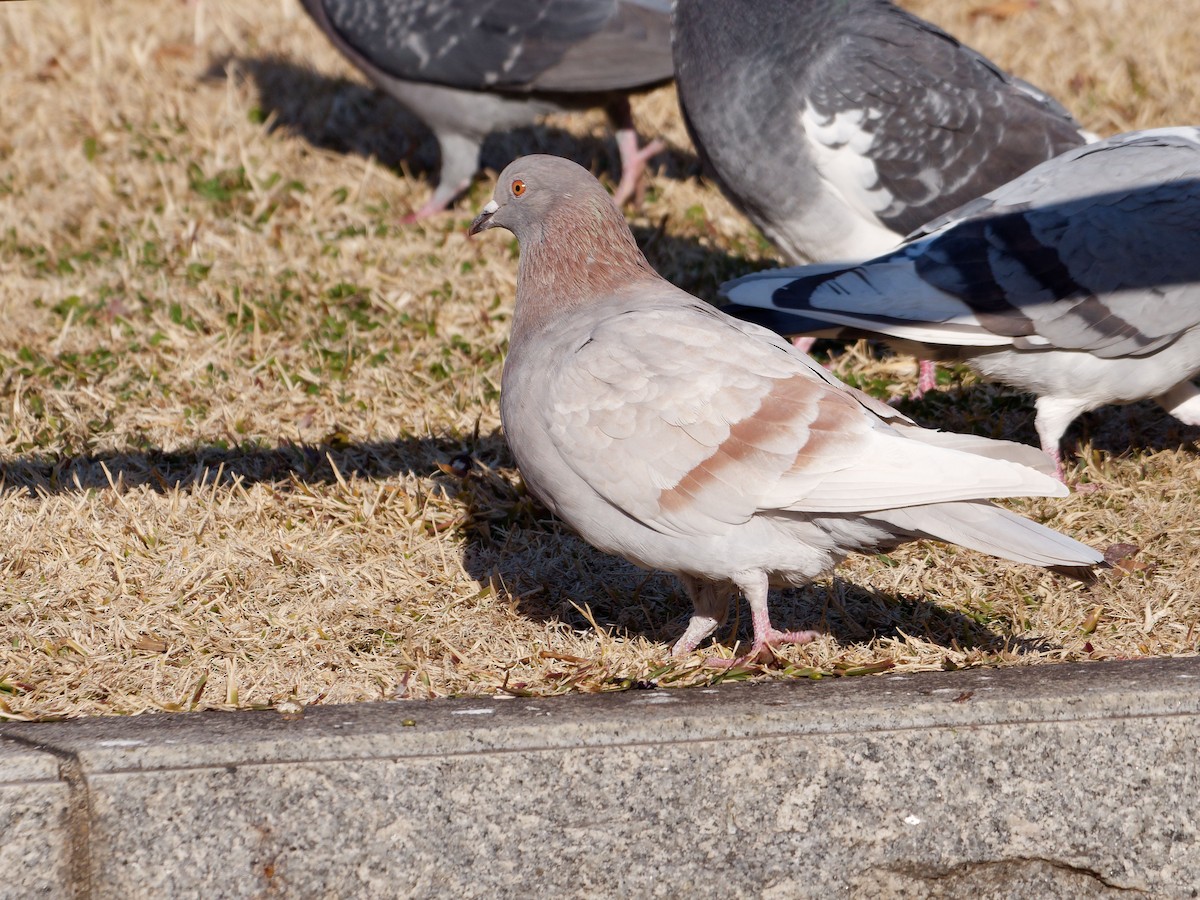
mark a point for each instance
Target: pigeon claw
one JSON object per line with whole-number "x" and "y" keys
{"x": 926, "y": 379}
{"x": 763, "y": 649}
{"x": 633, "y": 163}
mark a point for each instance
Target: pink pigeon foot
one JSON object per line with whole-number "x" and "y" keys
{"x": 633, "y": 164}
{"x": 804, "y": 344}
{"x": 439, "y": 201}
{"x": 432, "y": 207}
{"x": 764, "y": 650}
{"x": 765, "y": 636}
{"x": 926, "y": 379}
{"x": 1055, "y": 454}
{"x": 1054, "y": 414}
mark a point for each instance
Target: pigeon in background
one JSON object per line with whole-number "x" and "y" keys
{"x": 840, "y": 126}
{"x": 1078, "y": 282}
{"x": 666, "y": 432}
{"x": 467, "y": 68}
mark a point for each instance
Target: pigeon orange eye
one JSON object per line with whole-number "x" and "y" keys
{"x": 518, "y": 188}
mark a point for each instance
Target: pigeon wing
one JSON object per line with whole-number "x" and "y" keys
{"x": 1095, "y": 250}
{"x": 904, "y": 120}
{"x": 677, "y": 417}
{"x": 511, "y": 45}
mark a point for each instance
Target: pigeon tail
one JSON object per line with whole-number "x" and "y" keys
{"x": 981, "y": 526}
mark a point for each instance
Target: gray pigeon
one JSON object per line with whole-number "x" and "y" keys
{"x": 840, "y": 126}
{"x": 467, "y": 69}
{"x": 1078, "y": 282}
{"x": 671, "y": 434}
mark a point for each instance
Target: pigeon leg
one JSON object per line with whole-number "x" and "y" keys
{"x": 1055, "y": 454}
{"x": 764, "y": 635}
{"x": 926, "y": 378}
{"x": 755, "y": 587}
{"x": 460, "y": 160}
{"x": 1183, "y": 402}
{"x": 431, "y": 207}
{"x": 710, "y": 603}
{"x": 1054, "y": 416}
{"x": 804, "y": 344}
{"x": 633, "y": 158}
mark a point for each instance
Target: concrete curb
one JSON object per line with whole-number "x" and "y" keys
{"x": 1071, "y": 780}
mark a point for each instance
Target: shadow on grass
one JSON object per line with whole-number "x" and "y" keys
{"x": 205, "y": 466}
{"x": 352, "y": 117}
{"x": 629, "y": 601}
{"x": 509, "y": 539}
{"x": 513, "y": 542}
{"x": 697, "y": 267}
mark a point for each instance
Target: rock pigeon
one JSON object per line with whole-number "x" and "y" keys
{"x": 684, "y": 440}
{"x": 467, "y": 69}
{"x": 840, "y": 126}
{"x": 1079, "y": 282}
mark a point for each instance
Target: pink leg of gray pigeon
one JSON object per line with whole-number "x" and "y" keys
{"x": 1056, "y": 454}
{"x": 926, "y": 378}
{"x": 1054, "y": 415}
{"x": 633, "y": 158}
{"x": 804, "y": 344}
{"x": 766, "y": 637}
{"x": 431, "y": 207}
{"x": 460, "y": 160}
{"x": 633, "y": 164}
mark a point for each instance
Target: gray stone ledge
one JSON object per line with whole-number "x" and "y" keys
{"x": 1071, "y": 780}
{"x": 35, "y": 837}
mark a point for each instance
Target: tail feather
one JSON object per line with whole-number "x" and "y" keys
{"x": 890, "y": 296}
{"x": 980, "y": 525}
{"x": 991, "y": 448}
{"x": 791, "y": 324}
{"x": 778, "y": 298}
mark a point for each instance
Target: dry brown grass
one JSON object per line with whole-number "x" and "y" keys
{"x": 231, "y": 381}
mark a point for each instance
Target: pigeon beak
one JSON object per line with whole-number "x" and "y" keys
{"x": 484, "y": 220}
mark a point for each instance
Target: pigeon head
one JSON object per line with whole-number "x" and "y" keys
{"x": 533, "y": 191}
{"x": 576, "y": 247}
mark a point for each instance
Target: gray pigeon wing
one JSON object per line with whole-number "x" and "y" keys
{"x": 513, "y": 45}
{"x": 945, "y": 124}
{"x": 633, "y": 49}
{"x": 1112, "y": 270}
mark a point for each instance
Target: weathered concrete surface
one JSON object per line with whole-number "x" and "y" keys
{"x": 35, "y": 837}
{"x": 1076, "y": 781}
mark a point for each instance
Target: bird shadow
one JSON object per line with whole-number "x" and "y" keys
{"x": 628, "y": 601}
{"x": 509, "y": 540}
{"x": 353, "y": 118}
{"x": 544, "y": 566}
{"x": 205, "y": 466}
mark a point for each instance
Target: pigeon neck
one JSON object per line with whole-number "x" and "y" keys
{"x": 570, "y": 261}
